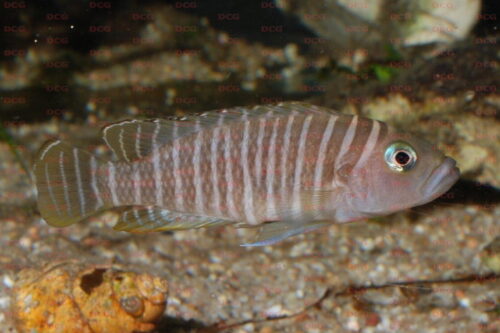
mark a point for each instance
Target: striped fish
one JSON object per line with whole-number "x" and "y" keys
{"x": 291, "y": 168}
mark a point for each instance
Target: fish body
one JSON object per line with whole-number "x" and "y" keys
{"x": 296, "y": 165}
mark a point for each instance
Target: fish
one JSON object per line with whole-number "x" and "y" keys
{"x": 286, "y": 168}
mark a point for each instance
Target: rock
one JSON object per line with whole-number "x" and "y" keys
{"x": 69, "y": 297}
{"x": 365, "y": 27}
{"x": 490, "y": 255}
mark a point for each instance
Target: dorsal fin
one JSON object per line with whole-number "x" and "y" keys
{"x": 135, "y": 139}
{"x": 271, "y": 110}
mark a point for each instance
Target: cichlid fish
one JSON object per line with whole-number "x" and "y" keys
{"x": 291, "y": 167}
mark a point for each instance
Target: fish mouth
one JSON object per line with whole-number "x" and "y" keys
{"x": 441, "y": 179}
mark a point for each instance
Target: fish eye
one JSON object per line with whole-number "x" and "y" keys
{"x": 400, "y": 156}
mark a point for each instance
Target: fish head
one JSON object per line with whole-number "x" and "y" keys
{"x": 403, "y": 171}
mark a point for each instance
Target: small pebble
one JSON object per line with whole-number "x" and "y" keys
{"x": 436, "y": 314}
{"x": 266, "y": 329}
{"x": 7, "y": 281}
{"x": 25, "y": 242}
{"x": 274, "y": 311}
{"x": 353, "y": 324}
{"x": 465, "y": 302}
{"x": 4, "y": 302}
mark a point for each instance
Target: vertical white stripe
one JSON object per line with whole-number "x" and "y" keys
{"x": 93, "y": 182}
{"x": 137, "y": 217}
{"x": 179, "y": 196}
{"x": 167, "y": 216}
{"x": 138, "y": 140}
{"x": 270, "y": 170}
{"x": 64, "y": 182}
{"x": 214, "y": 146}
{"x": 79, "y": 184}
{"x": 344, "y": 148}
{"x": 284, "y": 157}
{"x": 156, "y": 167}
{"x": 258, "y": 155}
{"x": 122, "y": 145}
{"x": 51, "y": 192}
{"x": 124, "y": 217}
{"x": 198, "y": 188}
{"x": 151, "y": 215}
{"x": 48, "y": 148}
{"x": 370, "y": 144}
{"x": 299, "y": 164}
{"x": 137, "y": 182}
{"x": 327, "y": 134}
{"x": 229, "y": 173}
{"x": 112, "y": 184}
{"x": 247, "y": 179}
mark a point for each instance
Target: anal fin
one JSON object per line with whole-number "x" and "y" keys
{"x": 274, "y": 232}
{"x": 149, "y": 218}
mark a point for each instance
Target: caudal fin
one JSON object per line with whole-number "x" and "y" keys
{"x": 67, "y": 184}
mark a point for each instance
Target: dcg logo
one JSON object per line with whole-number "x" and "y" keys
{"x": 57, "y": 64}
{"x": 267, "y": 4}
{"x": 14, "y": 100}
{"x": 228, "y": 16}
{"x": 141, "y": 17}
{"x": 100, "y": 4}
{"x": 14, "y": 4}
{"x": 99, "y": 28}
{"x": 186, "y": 4}
{"x": 14, "y": 53}
{"x": 57, "y": 40}
{"x": 57, "y": 17}
{"x": 14, "y": 28}
{"x": 185, "y": 28}
{"x": 228, "y": 88}
{"x": 271, "y": 28}
{"x": 56, "y": 88}
{"x": 56, "y": 112}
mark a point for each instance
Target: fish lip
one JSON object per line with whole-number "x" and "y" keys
{"x": 441, "y": 179}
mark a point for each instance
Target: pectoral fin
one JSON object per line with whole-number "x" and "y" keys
{"x": 297, "y": 219}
